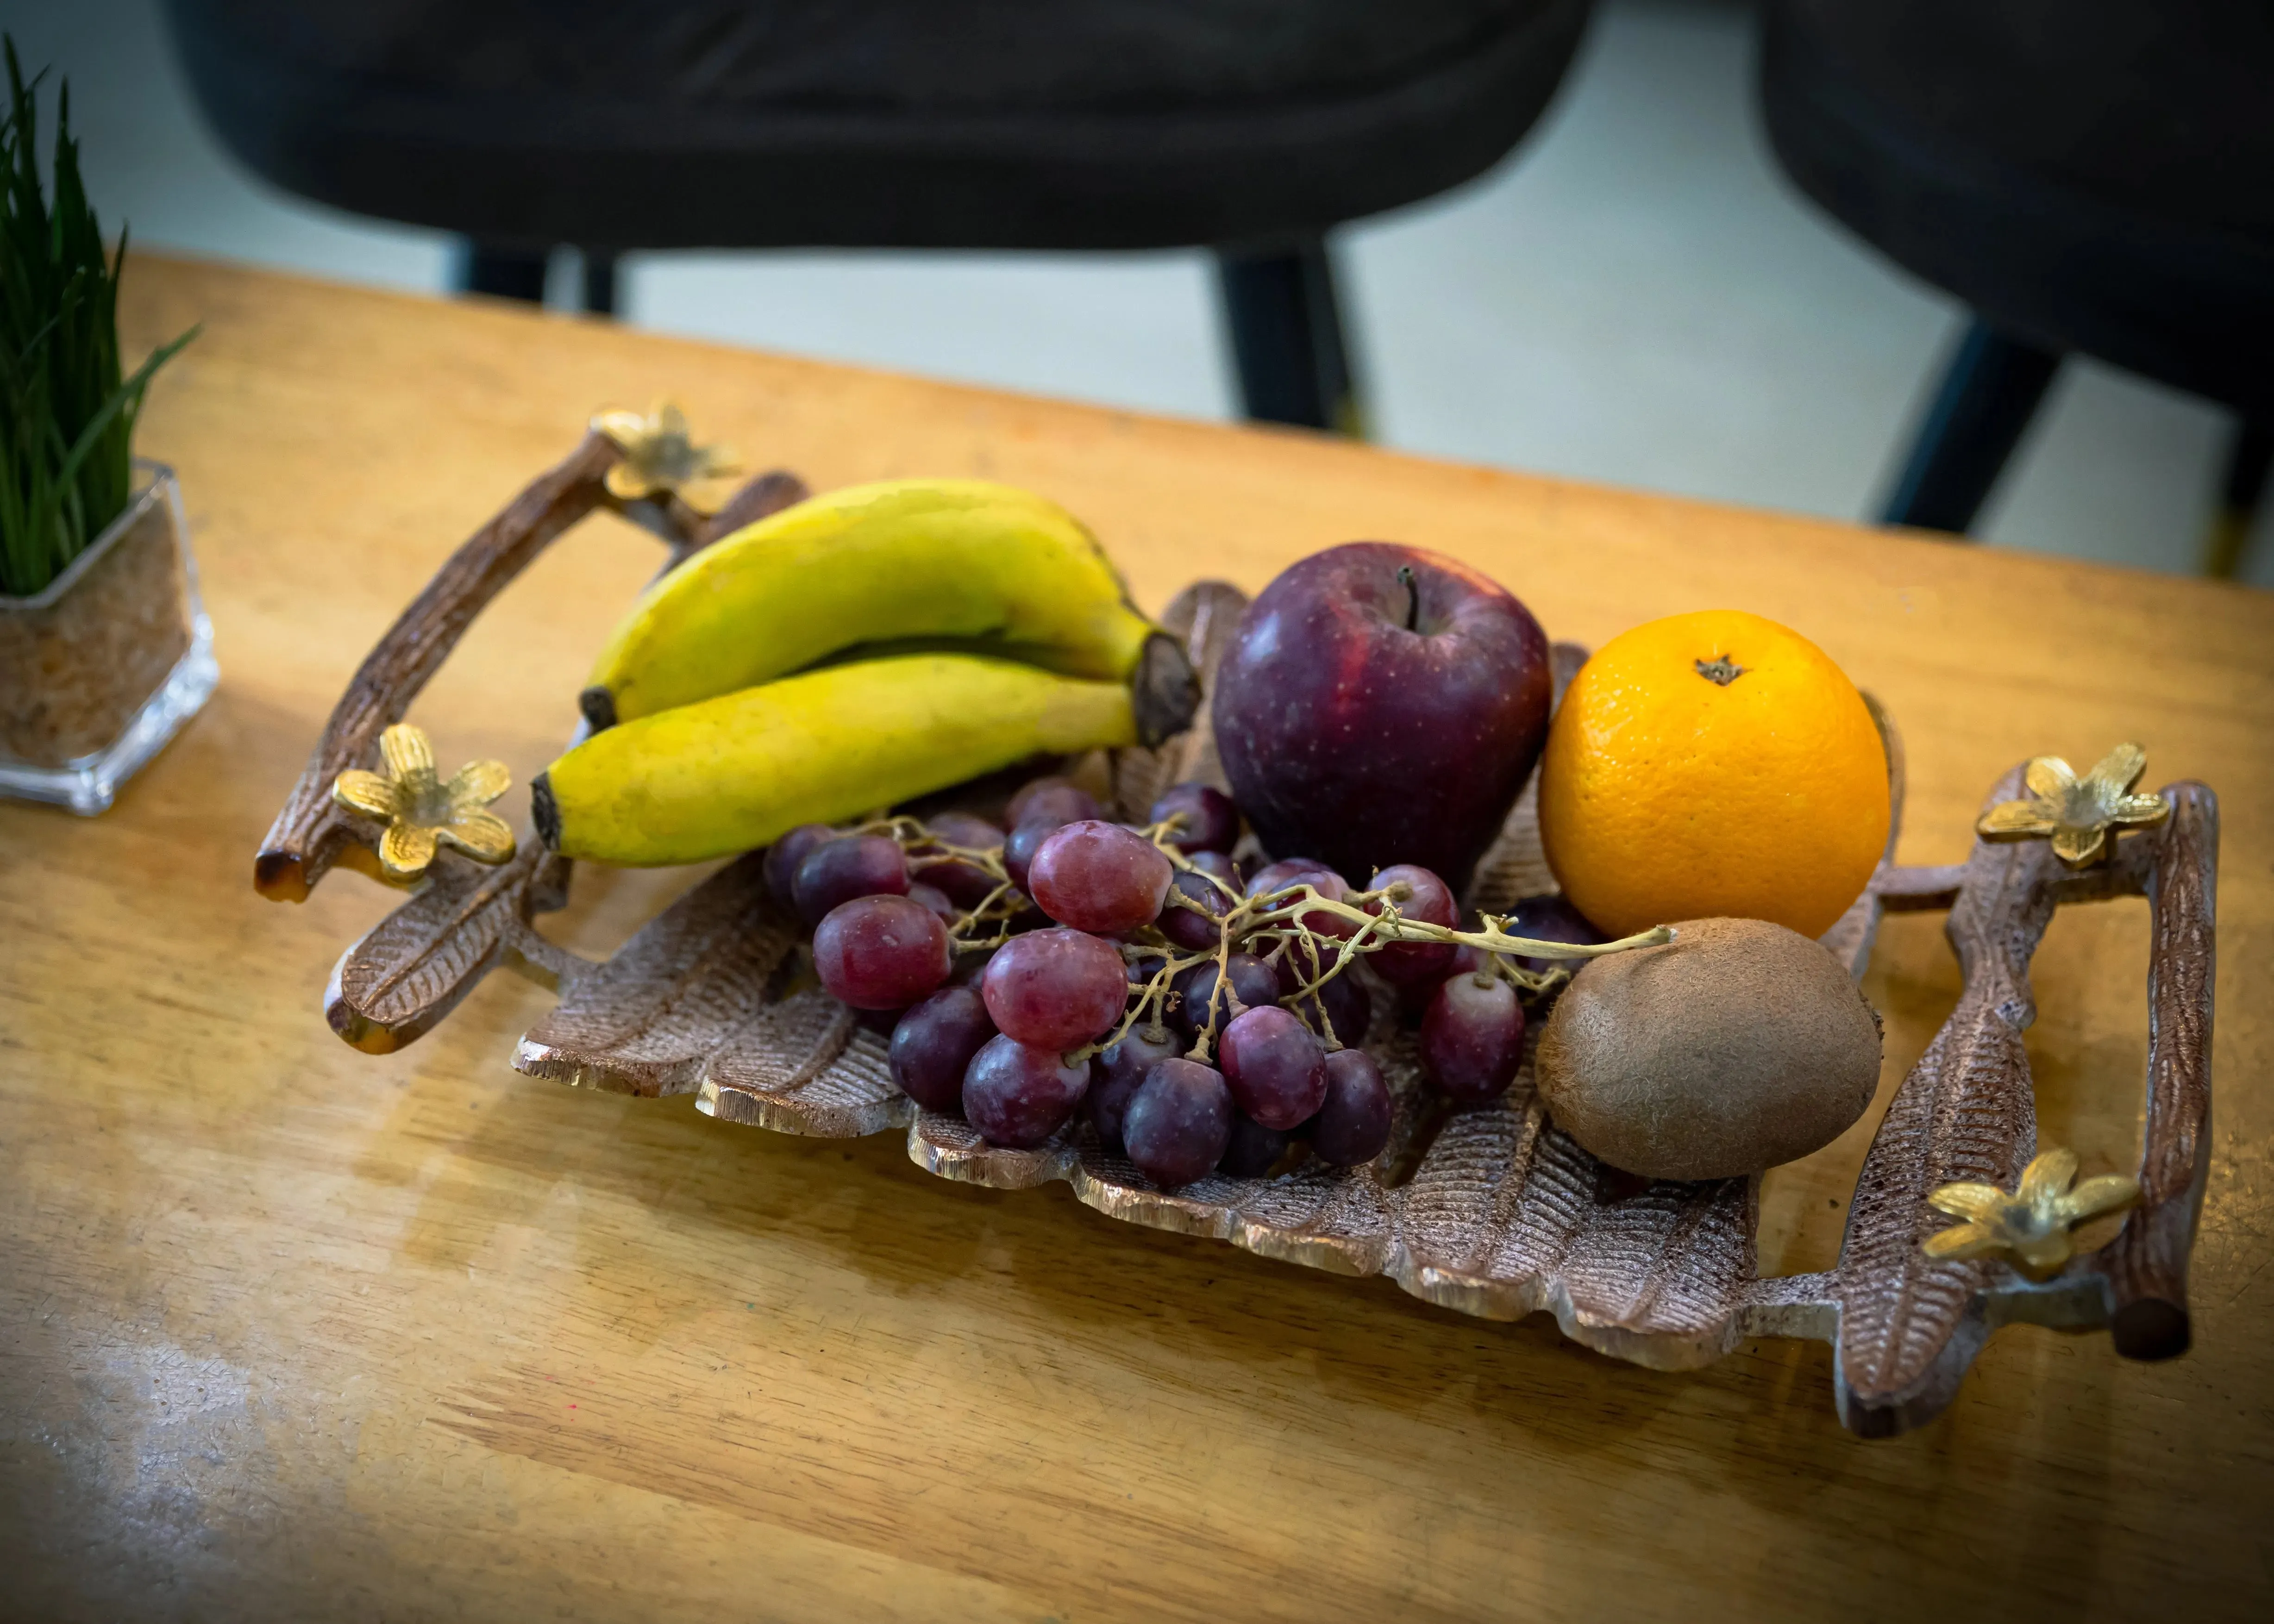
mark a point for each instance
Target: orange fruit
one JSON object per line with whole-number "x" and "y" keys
{"x": 1712, "y": 764}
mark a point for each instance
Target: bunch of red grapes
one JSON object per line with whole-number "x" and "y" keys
{"x": 1200, "y": 1013}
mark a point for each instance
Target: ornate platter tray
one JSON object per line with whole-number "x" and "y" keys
{"x": 1489, "y": 1210}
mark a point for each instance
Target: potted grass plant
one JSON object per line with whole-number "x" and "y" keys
{"x": 104, "y": 647}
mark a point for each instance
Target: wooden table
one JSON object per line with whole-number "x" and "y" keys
{"x": 287, "y": 1331}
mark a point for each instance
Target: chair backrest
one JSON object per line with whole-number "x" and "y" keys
{"x": 1065, "y": 124}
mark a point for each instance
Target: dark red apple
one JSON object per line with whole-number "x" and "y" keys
{"x": 1382, "y": 705}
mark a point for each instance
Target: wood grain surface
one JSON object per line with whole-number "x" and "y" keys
{"x": 292, "y": 1331}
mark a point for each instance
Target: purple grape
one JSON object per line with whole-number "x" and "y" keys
{"x": 1218, "y": 867}
{"x": 1177, "y": 1122}
{"x": 933, "y": 1044}
{"x": 1353, "y": 1124}
{"x": 1253, "y": 1150}
{"x": 1416, "y": 997}
{"x": 965, "y": 884}
{"x": 1055, "y": 990}
{"x": 1343, "y": 1002}
{"x": 964, "y": 829}
{"x": 1019, "y": 846}
{"x": 1466, "y": 960}
{"x": 933, "y": 897}
{"x": 1253, "y": 985}
{"x": 1296, "y": 871}
{"x": 784, "y": 856}
{"x": 1017, "y": 1096}
{"x": 1302, "y": 871}
{"x": 1472, "y": 1037}
{"x": 1553, "y": 918}
{"x": 970, "y": 967}
{"x": 1295, "y": 965}
{"x": 1199, "y": 926}
{"x": 1349, "y": 1006}
{"x": 1404, "y": 963}
{"x": 1211, "y": 822}
{"x": 881, "y": 953}
{"x": 839, "y": 870}
{"x": 1116, "y": 1075}
{"x": 1099, "y": 877}
{"x": 1053, "y": 799}
{"x": 1276, "y": 1069}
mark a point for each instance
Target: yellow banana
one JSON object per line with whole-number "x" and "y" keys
{"x": 733, "y": 773}
{"x": 999, "y": 569}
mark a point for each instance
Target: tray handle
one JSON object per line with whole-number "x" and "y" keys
{"x": 2146, "y": 1265}
{"x": 311, "y": 834}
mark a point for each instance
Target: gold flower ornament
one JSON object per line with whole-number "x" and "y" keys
{"x": 660, "y": 458}
{"x": 2029, "y": 1228}
{"x": 2077, "y": 813}
{"x": 420, "y": 810}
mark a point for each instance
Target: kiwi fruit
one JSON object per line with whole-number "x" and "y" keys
{"x": 1738, "y": 1045}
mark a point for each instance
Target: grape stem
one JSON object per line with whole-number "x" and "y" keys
{"x": 1000, "y": 906}
{"x": 922, "y": 849}
{"x": 1284, "y": 918}
{"x": 1281, "y": 912}
{"x": 1219, "y": 996}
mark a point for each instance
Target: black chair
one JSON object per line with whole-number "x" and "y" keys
{"x": 1250, "y": 126}
{"x": 2090, "y": 176}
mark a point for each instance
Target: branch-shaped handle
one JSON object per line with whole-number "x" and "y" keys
{"x": 406, "y": 975}
{"x": 311, "y": 833}
{"x": 2147, "y": 1263}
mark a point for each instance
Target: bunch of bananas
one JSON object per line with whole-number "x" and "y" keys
{"x": 869, "y": 645}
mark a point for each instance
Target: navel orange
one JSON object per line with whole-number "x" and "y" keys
{"x": 1712, "y": 764}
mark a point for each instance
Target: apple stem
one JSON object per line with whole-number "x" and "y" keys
{"x": 1413, "y": 597}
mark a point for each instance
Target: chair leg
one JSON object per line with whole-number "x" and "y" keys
{"x": 599, "y": 282}
{"x": 2242, "y": 492}
{"x": 504, "y": 273}
{"x": 1287, "y": 336}
{"x": 1987, "y": 394}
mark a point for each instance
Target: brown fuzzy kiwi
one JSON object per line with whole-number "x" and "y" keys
{"x": 1736, "y": 1045}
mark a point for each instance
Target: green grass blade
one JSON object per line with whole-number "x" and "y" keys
{"x": 67, "y": 417}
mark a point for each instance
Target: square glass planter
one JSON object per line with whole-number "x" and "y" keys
{"x": 101, "y": 669}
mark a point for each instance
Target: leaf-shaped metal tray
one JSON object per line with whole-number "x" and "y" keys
{"x": 1490, "y": 1211}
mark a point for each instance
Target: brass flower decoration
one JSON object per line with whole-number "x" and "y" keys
{"x": 2077, "y": 813}
{"x": 2031, "y": 1226}
{"x": 420, "y": 810}
{"x": 660, "y": 458}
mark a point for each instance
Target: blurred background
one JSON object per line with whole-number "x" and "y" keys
{"x": 1637, "y": 294}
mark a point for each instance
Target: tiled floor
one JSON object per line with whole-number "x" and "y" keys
{"x": 1636, "y": 295}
